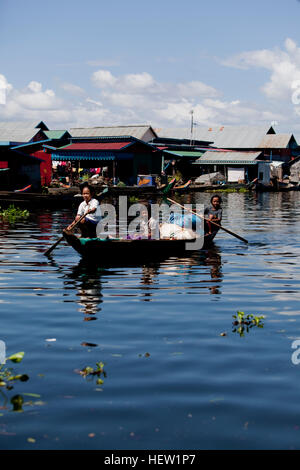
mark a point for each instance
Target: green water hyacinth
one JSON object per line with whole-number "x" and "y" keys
{"x": 92, "y": 372}
{"x": 12, "y": 214}
{"x": 243, "y": 323}
{"x": 7, "y": 375}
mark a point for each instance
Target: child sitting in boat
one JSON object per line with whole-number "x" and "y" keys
{"x": 91, "y": 207}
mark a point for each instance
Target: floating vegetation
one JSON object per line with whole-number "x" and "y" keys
{"x": 242, "y": 323}
{"x": 8, "y": 378}
{"x": 7, "y": 374}
{"x": 230, "y": 190}
{"x": 12, "y": 214}
{"x": 90, "y": 372}
{"x": 133, "y": 199}
{"x": 121, "y": 184}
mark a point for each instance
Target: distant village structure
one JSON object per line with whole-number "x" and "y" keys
{"x": 32, "y": 155}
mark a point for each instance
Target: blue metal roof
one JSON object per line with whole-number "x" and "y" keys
{"x": 30, "y": 143}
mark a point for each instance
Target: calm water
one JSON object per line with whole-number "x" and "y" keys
{"x": 171, "y": 380}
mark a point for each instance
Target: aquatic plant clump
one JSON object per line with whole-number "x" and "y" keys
{"x": 92, "y": 372}
{"x": 243, "y": 323}
{"x": 7, "y": 375}
{"x": 13, "y": 213}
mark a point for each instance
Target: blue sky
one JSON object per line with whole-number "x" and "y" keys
{"x": 94, "y": 62}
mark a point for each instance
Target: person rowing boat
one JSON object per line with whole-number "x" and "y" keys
{"x": 90, "y": 207}
{"x": 213, "y": 213}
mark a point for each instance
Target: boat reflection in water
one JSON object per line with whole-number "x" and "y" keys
{"x": 201, "y": 270}
{"x": 86, "y": 280}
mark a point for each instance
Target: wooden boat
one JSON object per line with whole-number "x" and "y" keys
{"x": 118, "y": 250}
{"x": 166, "y": 188}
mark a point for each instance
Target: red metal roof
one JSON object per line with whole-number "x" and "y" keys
{"x": 96, "y": 146}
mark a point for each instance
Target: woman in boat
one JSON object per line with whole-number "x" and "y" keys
{"x": 213, "y": 213}
{"x": 91, "y": 207}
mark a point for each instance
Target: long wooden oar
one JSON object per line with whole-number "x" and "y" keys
{"x": 217, "y": 225}
{"x": 47, "y": 252}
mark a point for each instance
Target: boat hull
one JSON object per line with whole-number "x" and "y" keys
{"x": 122, "y": 250}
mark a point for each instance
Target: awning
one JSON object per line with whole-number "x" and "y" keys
{"x": 71, "y": 156}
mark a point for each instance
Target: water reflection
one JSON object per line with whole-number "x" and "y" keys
{"x": 199, "y": 270}
{"x": 214, "y": 260}
{"x": 86, "y": 279}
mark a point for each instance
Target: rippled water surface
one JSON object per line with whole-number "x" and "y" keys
{"x": 172, "y": 380}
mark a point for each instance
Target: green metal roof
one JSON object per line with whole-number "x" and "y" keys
{"x": 183, "y": 153}
{"x": 55, "y": 134}
{"x": 187, "y": 153}
{"x": 228, "y": 158}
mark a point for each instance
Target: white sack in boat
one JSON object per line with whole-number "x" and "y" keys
{"x": 177, "y": 232}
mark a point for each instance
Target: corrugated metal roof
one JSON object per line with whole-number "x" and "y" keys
{"x": 23, "y": 125}
{"x": 221, "y": 158}
{"x": 95, "y": 146}
{"x": 18, "y": 135}
{"x": 279, "y": 141}
{"x": 186, "y": 154}
{"x": 135, "y": 131}
{"x": 221, "y": 136}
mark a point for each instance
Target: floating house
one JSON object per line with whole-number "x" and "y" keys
{"x": 23, "y": 161}
{"x": 126, "y": 158}
{"x": 181, "y": 153}
{"x": 19, "y": 169}
{"x": 239, "y": 153}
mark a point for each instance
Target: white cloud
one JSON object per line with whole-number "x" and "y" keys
{"x": 284, "y": 66}
{"x": 72, "y": 89}
{"x": 196, "y": 89}
{"x": 103, "y": 79}
{"x": 5, "y": 88}
{"x": 130, "y": 99}
{"x": 33, "y": 97}
{"x": 97, "y": 103}
{"x": 35, "y": 87}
